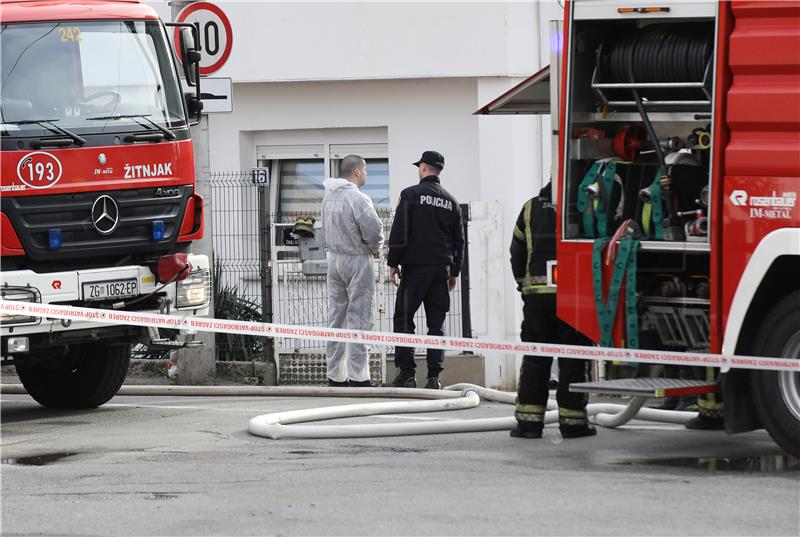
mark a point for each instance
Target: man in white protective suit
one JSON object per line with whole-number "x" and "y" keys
{"x": 353, "y": 235}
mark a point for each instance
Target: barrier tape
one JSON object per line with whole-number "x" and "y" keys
{"x": 204, "y": 324}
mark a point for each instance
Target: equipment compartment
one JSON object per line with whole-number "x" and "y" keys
{"x": 638, "y": 127}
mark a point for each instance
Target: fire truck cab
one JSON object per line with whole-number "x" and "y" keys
{"x": 97, "y": 188}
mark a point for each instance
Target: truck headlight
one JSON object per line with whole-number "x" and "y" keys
{"x": 193, "y": 291}
{"x": 21, "y": 294}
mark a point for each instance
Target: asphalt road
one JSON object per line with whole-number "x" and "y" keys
{"x": 187, "y": 466}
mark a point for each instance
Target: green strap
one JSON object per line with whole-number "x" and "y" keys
{"x": 656, "y": 214}
{"x": 606, "y": 311}
{"x": 606, "y": 186}
{"x": 606, "y": 325}
{"x": 584, "y": 207}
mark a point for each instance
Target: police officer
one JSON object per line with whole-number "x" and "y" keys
{"x": 426, "y": 249}
{"x": 532, "y": 246}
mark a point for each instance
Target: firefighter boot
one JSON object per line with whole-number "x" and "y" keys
{"x": 527, "y": 429}
{"x": 404, "y": 379}
{"x": 705, "y": 423}
{"x": 576, "y": 431}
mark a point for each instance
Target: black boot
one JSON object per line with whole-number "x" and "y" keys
{"x": 404, "y": 379}
{"x": 360, "y": 383}
{"x": 576, "y": 431}
{"x": 526, "y": 429}
{"x": 433, "y": 384}
{"x": 705, "y": 423}
{"x": 334, "y": 384}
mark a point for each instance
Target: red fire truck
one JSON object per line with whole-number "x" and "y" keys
{"x": 679, "y": 149}
{"x": 97, "y": 188}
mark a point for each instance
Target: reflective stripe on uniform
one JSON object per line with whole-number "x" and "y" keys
{"x": 572, "y": 421}
{"x": 537, "y": 290}
{"x": 528, "y": 235}
{"x": 571, "y": 413}
{"x": 525, "y": 416}
{"x": 519, "y": 234}
{"x": 531, "y": 409}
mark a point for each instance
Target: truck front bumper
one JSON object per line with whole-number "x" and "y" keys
{"x": 188, "y": 298}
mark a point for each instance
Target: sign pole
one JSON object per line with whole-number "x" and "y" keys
{"x": 199, "y": 364}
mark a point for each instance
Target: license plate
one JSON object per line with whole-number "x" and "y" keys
{"x": 110, "y": 289}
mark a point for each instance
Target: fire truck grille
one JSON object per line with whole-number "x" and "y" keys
{"x": 68, "y": 226}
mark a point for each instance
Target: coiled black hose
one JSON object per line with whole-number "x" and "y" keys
{"x": 674, "y": 52}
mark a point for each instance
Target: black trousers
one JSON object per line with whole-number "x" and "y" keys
{"x": 421, "y": 284}
{"x": 541, "y": 325}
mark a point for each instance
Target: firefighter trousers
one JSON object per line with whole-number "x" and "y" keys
{"x": 541, "y": 325}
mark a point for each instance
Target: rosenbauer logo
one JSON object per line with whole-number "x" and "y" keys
{"x": 39, "y": 169}
{"x": 774, "y": 206}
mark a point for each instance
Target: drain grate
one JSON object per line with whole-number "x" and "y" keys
{"x": 310, "y": 369}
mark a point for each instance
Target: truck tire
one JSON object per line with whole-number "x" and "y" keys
{"x": 96, "y": 375}
{"x": 776, "y": 394}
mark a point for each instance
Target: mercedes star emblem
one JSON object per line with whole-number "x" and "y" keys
{"x": 105, "y": 215}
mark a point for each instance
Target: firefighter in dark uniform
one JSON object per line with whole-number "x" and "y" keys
{"x": 533, "y": 245}
{"x": 426, "y": 249}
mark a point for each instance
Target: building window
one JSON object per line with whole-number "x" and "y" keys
{"x": 301, "y": 187}
{"x": 377, "y": 186}
{"x": 298, "y": 171}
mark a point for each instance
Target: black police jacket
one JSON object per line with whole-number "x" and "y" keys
{"x": 427, "y": 228}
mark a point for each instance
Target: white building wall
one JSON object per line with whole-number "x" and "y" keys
{"x": 409, "y": 75}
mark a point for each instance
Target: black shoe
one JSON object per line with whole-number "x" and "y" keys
{"x": 334, "y": 384}
{"x": 577, "y": 431}
{"x": 433, "y": 384}
{"x": 360, "y": 383}
{"x": 404, "y": 379}
{"x": 527, "y": 430}
{"x": 705, "y": 423}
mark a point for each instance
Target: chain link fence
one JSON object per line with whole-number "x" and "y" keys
{"x": 251, "y": 244}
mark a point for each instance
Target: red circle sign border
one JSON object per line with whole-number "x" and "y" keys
{"x": 197, "y": 6}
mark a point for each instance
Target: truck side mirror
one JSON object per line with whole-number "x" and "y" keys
{"x": 190, "y": 56}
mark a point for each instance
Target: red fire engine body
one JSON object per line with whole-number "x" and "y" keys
{"x": 97, "y": 188}
{"x": 700, "y": 100}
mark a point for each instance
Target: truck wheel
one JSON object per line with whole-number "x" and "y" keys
{"x": 777, "y": 393}
{"x": 96, "y": 373}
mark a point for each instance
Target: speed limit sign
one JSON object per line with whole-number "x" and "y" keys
{"x": 214, "y": 33}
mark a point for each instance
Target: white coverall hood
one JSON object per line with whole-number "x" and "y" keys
{"x": 335, "y": 183}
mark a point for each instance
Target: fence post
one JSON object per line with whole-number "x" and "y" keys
{"x": 466, "y": 315}
{"x": 265, "y": 272}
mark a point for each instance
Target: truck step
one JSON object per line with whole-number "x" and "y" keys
{"x": 646, "y": 387}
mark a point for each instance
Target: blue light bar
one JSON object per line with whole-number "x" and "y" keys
{"x": 158, "y": 230}
{"x": 54, "y": 238}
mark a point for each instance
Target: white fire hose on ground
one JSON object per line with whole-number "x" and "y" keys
{"x": 455, "y": 397}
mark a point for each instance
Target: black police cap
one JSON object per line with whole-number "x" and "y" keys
{"x": 434, "y": 158}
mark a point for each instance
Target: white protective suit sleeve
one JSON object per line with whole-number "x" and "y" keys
{"x": 369, "y": 224}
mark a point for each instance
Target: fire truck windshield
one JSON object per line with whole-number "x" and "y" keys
{"x": 93, "y": 77}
